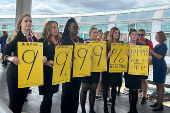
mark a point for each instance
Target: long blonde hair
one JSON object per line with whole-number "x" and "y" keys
{"x": 46, "y": 33}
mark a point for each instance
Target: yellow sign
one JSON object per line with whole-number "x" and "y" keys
{"x": 62, "y": 67}
{"x": 118, "y": 59}
{"x": 138, "y": 60}
{"x": 30, "y": 67}
{"x": 82, "y": 61}
{"x": 99, "y": 62}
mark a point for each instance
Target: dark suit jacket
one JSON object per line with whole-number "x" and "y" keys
{"x": 12, "y": 47}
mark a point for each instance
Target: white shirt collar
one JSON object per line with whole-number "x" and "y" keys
{"x": 29, "y": 32}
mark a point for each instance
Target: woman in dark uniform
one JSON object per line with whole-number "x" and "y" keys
{"x": 133, "y": 82}
{"x": 23, "y": 33}
{"x": 111, "y": 79}
{"x": 50, "y": 39}
{"x": 90, "y": 82}
{"x": 70, "y": 90}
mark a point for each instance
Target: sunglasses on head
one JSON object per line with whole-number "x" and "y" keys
{"x": 140, "y": 34}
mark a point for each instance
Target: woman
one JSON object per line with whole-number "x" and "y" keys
{"x": 70, "y": 90}
{"x": 23, "y": 33}
{"x": 111, "y": 79}
{"x": 133, "y": 82}
{"x": 159, "y": 68}
{"x": 3, "y": 42}
{"x": 50, "y": 39}
{"x": 90, "y": 82}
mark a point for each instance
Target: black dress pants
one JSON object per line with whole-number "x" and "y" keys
{"x": 70, "y": 96}
{"x": 46, "y": 104}
{"x": 17, "y": 95}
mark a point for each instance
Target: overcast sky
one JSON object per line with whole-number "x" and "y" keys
{"x": 78, "y": 6}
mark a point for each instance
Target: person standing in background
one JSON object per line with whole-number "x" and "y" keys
{"x": 3, "y": 39}
{"x": 100, "y": 34}
{"x": 142, "y": 39}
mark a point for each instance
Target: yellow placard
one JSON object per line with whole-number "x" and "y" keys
{"x": 62, "y": 67}
{"x": 118, "y": 59}
{"x": 99, "y": 62}
{"x": 138, "y": 60}
{"x": 82, "y": 61}
{"x": 30, "y": 67}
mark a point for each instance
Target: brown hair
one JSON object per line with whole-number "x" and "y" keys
{"x": 142, "y": 30}
{"x": 105, "y": 34}
{"x": 99, "y": 30}
{"x": 4, "y": 33}
{"x": 162, "y": 36}
{"x": 112, "y": 30}
{"x": 46, "y": 33}
{"x": 132, "y": 30}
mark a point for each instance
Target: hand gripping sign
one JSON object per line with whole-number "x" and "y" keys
{"x": 99, "y": 62}
{"x": 82, "y": 61}
{"x": 30, "y": 67}
{"x": 62, "y": 67}
{"x": 138, "y": 60}
{"x": 118, "y": 59}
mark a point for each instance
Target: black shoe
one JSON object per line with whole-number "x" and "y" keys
{"x": 143, "y": 100}
{"x": 97, "y": 98}
{"x": 92, "y": 111}
{"x": 158, "y": 109}
{"x": 106, "y": 110}
{"x": 153, "y": 105}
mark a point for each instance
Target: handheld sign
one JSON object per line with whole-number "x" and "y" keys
{"x": 138, "y": 60}
{"x": 30, "y": 67}
{"x": 99, "y": 62}
{"x": 82, "y": 61}
{"x": 118, "y": 59}
{"x": 62, "y": 67}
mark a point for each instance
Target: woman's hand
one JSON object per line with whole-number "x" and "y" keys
{"x": 150, "y": 50}
{"x": 49, "y": 63}
{"x": 44, "y": 59}
{"x": 15, "y": 60}
{"x": 127, "y": 53}
{"x": 149, "y": 59}
{"x": 109, "y": 54}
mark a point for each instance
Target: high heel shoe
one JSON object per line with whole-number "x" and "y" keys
{"x": 153, "y": 105}
{"x": 161, "y": 108}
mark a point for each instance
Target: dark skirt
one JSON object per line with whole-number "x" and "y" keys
{"x": 111, "y": 79}
{"x": 94, "y": 78}
{"x": 133, "y": 81}
{"x": 48, "y": 88}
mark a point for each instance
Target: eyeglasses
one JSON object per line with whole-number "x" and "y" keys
{"x": 140, "y": 34}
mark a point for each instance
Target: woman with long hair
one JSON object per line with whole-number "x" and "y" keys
{"x": 70, "y": 90}
{"x": 159, "y": 68}
{"x": 111, "y": 79}
{"x": 50, "y": 39}
{"x": 23, "y": 33}
{"x": 90, "y": 82}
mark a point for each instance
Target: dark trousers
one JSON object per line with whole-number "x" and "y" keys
{"x": 70, "y": 96}
{"x": 46, "y": 104}
{"x": 17, "y": 95}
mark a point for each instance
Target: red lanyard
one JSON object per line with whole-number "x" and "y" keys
{"x": 54, "y": 43}
{"x": 131, "y": 43}
{"x": 73, "y": 40}
{"x": 30, "y": 37}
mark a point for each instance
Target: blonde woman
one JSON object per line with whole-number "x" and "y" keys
{"x": 17, "y": 95}
{"x": 90, "y": 82}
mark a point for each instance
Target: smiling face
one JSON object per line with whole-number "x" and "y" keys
{"x": 54, "y": 29}
{"x": 141, "y": 35}
{"x": 73, "y": 28}
{"x": 133, "y": 36}
{"x": 93, "y": 35}
{"x": 116, "y": 34}
{"x": 26, "y": 23}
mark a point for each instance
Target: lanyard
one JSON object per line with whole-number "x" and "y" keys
{"x": 54, "y": 43}
{"x": 73, "y": 40}
{"x": 30, "y": 37}
{"x": 131, "y": 43}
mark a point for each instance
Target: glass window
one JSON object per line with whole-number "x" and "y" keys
{"x": 167, "y": 42}
{"x": 11, "y": 27}
{"x": 151, "y": 8}
{"x": 133, "y": 16}
{"x": 104, "y": 27}
{"x": 122, "y": 27}
{"x": 122, "y": 17}
{"x": 38, "y": 27}
{"x": 38, "y": 20}
{"x": 104, "y": 18}
{"x": 148, "y": 36}
{"x": 132, "y": 25}
{"x": 147, "y": 26}
{"x": 166, "y": 13}
{"x": 0, "y": 27}
{"x": 61, "y": 28}
{"x": 84, "y": 28}
{"x": 146, "y": 15}
{"x": 0, "y": 33}
{"x": 9, "y": 32}
{"x": 60, "y": 20}
{"x": 84, "y": 35}
{"x": 7, "y": 20}
{"x": 38, "y": 35}
{"x": 166, "y": 26}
